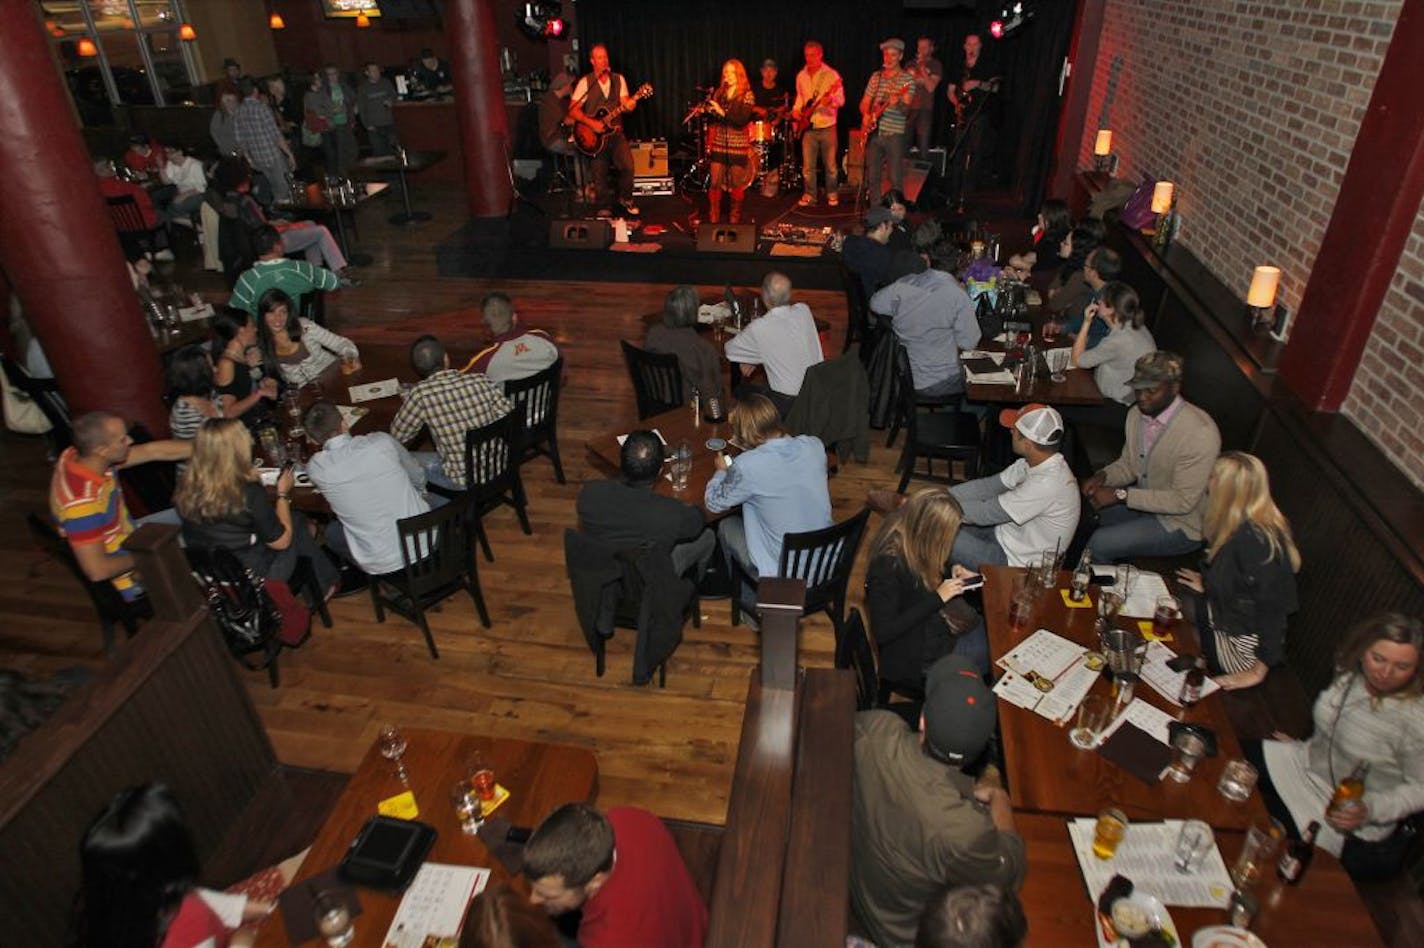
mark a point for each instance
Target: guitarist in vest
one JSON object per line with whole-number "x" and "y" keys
{"x": 819, "y": 96}
{"x": 970, "y": 84}
{"x": 604, "y": 89}
{"x": 884, "y": 109}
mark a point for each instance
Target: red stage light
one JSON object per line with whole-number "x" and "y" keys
{"x": 555, "y": 27}
{"x": 996, "y": 29}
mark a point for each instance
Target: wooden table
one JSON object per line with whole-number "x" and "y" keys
{"x": 1077, "y": 388}
{"x": 1047, "y": 774}
{"x": 538, "y": 776}
{"x": 312, "y": 202}
{"x": 1323, "y": 910}
{"x": 675, "y": 426}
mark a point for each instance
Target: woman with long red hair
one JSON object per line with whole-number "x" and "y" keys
{"x": 733, "y": 165}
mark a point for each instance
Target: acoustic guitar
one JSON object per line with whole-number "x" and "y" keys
{"x": 589, "y": 142}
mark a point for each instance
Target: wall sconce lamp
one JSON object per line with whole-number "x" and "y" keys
{"x": 276, "y": 22}
{"x": 1164, "y": 203}
{"x": 1104, "y": 161}
{"x": 186, "y": 33}
{"x": 87, "y": 48}
{"x": 1261, "y": 305}
{"x": 362, "y": 20}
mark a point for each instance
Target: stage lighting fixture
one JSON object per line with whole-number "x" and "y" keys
{"x": 1010, "y": 19}
{"x": 541, "y": 20}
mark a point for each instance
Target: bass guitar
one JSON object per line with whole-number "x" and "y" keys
{"x": 803, "y": 122}
{"x": 985, "y": 88}
{"x": 589, "y": 142}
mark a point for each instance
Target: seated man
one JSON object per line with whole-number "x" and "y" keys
{"x": 784, "y": 341}
{"x": 973, "y": 916}
{"x": 273, "y": 271}
{"x": 779, "y": 481}
{"x": 1101, "y": 267}
{"x": 449, "y": 403}
{"x": 868, "y": 256}
{"x": 918, "y": 823}
{"x": 1151, "y": 500}
{"x": 627, "y": 512}
{"x": 370, "y": 481}
{"x": 623, "y": 870}
{"x": 234, "y": 183}
{"x": 110, "y": 185}
{"x": 185, "y": 173}
{"x": 145, "y": 157}
{"x": 87, "y": 502}
{"x": 512, "y": 352}
{"x": 934, "y": 320}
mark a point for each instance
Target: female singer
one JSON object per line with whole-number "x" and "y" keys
{"x": 728, "y": 147}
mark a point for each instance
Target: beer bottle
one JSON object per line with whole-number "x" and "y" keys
{"x": 1350, "y": 790}
{"x": 1192, "y": 684}
{"x": 1296, "y": 859}
{"x": 1082, "y": 576}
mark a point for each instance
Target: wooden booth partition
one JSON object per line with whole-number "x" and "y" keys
{"x": 168, "y": 707}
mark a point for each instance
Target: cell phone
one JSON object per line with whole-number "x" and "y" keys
{"x": 973, "y": 581}
{"x": 519, "y": 834}
{"x": 1182, "y": 662}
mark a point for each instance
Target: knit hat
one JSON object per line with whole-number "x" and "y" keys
{"x": 959, "y": 711}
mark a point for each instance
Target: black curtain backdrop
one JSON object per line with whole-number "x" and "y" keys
{"x": 677, "y": 45}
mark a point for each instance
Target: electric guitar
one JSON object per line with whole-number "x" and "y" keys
{"x": 985, "y": 86}
{"x": 872, "y": 120}
{"x": 799, "y": 125}
{"x": 589, "y": 142}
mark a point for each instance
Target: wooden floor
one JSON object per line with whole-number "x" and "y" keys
{"x": 671, "y": 750}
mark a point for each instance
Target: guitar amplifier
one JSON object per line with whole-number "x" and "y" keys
{"x": 650, "y": 158}
{"x": 577, "y": 234}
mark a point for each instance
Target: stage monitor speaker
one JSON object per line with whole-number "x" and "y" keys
{"x": 650, "y": 158}
{"x": 576, "y": 234}
{"x": 916, "y": 174}
{"x": 727, "y": 238}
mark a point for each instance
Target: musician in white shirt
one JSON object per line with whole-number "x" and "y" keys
{"x": 819, "y": 89}
{"x": 604, "y": 89}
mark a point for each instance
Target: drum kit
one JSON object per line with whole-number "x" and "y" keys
{"x": 772, "y": 146}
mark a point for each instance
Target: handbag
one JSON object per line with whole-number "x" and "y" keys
{"x": 1137, "y": 211}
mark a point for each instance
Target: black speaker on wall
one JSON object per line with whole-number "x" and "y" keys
{"x": 577, "y": 234}
{"x": 727, "y": 238}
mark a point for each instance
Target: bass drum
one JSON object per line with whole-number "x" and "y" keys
{"x": 763, "y": 132}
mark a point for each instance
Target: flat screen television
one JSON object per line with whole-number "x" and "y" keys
{"x": 337, "y": 9}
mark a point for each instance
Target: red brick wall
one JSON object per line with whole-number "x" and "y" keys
{"x": 1252, "y": 109}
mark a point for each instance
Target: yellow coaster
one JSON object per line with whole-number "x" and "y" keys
{"x": 1145, "y": 627}
{"x": 401, "y": 806}
{"x": 500, "y": 795}
{"x": 1087, "y": 602}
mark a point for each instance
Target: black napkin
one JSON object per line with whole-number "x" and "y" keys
{"x": 298, "y": 904}
{"x": 1137, "y": 752}
{"x": 495, "y": 835}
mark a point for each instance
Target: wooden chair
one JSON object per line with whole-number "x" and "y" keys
{"x": 855, "y": 652}
{"x": 112, "y": 608}
{"x": 857, "y": 309}
{"x": 931, "y": 402}
{"x": 45, "y": 394}
{"x": 657, "y": 380}
{"x": 536, "y": 406}
{"x": 491, "y": 477}
{"x": 135, "y": 235}
{"x": 438, "y": 561}
{"x": 823, "y": 558}
{"x": 946, "y": 435}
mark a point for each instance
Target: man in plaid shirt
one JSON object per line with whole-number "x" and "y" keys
{"x": 449, "y": 403}
{"x": 259, "y": 138}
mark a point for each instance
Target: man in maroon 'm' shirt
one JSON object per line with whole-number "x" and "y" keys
{"x": 623, "y": 870}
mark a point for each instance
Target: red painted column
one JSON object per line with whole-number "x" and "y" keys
{"x": 1372, "y": 220}
{"x": 1073, "y": 116}
{"x": 479, "y": 106}
{"x": 58, "y": 247}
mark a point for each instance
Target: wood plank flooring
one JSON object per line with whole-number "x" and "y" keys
{"x": 671, "y": 750}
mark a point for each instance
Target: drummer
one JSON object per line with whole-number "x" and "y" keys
{"x": 771, "y": 96}
{"x": 733, "y": 162}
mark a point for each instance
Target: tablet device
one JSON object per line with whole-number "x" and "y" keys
{"x": 387, "y": 852}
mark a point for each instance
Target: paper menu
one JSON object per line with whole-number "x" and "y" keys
{"x": 1146, "y": 588}
{"x": 1163, "y": 680}
{"x": 1151, "y": 720}
{"x": 352, "y": 414}
{"x": 1001, "y": 377}
{"x": 435, "y": 904}
{"x": 1044, "y": 653}
{"x": 373, "y": 390}
{"x": 1146, "y": 856}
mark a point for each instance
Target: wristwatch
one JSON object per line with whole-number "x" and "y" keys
{"x": 1121, "y": 495}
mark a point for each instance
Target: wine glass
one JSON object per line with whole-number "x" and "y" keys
{"x": 393, "y": 744}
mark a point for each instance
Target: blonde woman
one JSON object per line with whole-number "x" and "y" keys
{"x": 1247, "y": 584}
{"x": 222, "y": 503}
{"x": 906, "y": 586}
{"x": 728, "y": 147}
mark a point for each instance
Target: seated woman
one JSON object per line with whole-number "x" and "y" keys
{"x": 1054, "y": 222}
{"x": 1069, "y": 292}
{"x": 138, "y": 883}
{"x": 899, "y": 208}
{"x": 1371, "y": 714}
{"x": 1114, "y": 359}
{"x": 300, "y": 348}
{"x": 238, "y": 367}
{"x": 193, "y": 394}
{"x": 223, "y": 504}
{"x": 906, "y": 587}
{"x": 1247, "y": 586}
{"x": 699, "y": 360}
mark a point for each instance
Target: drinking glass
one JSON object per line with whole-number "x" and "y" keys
{"x": 1021, "y": 612}
{"x": 1125, "y": 575}
{"x": 1193, "y": 843}
{"x": 333, "y": 918}
{"x": 1058, "y": 365}
{"x": 1109, "y": 604}
{"x": 681, "y": 466}
{"x": 468, "y": 809}
{"x": 1108, "y": 833}
{"x": 1187, "y": 751}
{"x": 1093, "y": 716}
{"x": 1164, "y": 616}
{"x": 393, "y": 744}
{"x": 1257, "y": 852}
{"x": 1238, "y": 779}
{"x": 1048, "y": 569}
{"x": 481, "y": 773}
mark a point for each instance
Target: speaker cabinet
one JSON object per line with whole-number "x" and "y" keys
{"x": 727, "y": 238}
{"x": 916, "y": 173}
{"x": 576, "y": 234}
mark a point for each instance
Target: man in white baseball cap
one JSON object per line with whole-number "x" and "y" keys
{"x": 1032, "y": 506}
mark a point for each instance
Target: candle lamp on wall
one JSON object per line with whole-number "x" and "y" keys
{"x": 1265, "y": 312}
{"x": 1164, "y": 204}
{"x": 1104, "y": 161}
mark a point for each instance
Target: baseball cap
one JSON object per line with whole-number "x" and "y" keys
{"x": 959, "y": 711}
{"x": 768, "y": 62}
{"x": 1155, "y": 368}
{"x": 894, "y": 42}
{"x": 1038, "y": 423}
{"x": 877, "y": 216}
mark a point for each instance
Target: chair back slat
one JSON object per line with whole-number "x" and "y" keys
{"x": 855, "y": 652}
{"x": 657, "y": 380}
{"x": 488, "y": 453}
{"x": 123, "y": 210}
{"x": 823, "y": 558}
{"x": 435, "y": 547}
{"x": 536, "y": 399}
